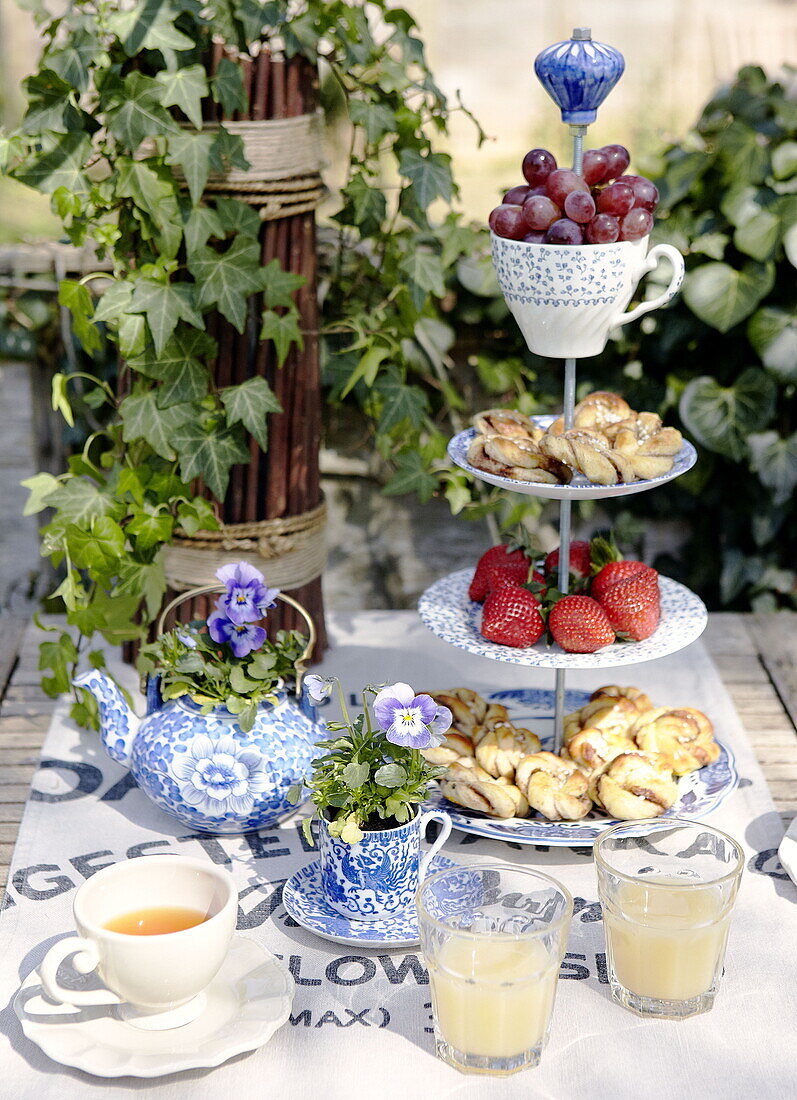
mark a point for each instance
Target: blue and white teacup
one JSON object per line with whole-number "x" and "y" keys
{"x": 378, "y": 877}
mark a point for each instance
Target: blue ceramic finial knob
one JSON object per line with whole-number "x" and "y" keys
{"x": 578, "y": 75}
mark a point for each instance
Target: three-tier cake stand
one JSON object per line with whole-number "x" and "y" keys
{"x": 578, "y": 74}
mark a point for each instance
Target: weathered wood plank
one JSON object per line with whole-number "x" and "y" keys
{"x": 775, "y": 640}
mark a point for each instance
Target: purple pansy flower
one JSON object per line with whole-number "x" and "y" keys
{"x": 247, "y": 596}
{"x": 415, "y": 721}
{"x": 318, "y": 688}
{"x": 186, "y": 639}
{"x": 243, "y": 637}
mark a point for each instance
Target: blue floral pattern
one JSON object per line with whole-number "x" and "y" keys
{"x": 449, "y": 612}
{"x": 552, "y": 275}
{"x": 307, "y": 903}
{"x": 699, "y": 792}
{"x": 204, "y": 769}
{"x": 578, "y": 74}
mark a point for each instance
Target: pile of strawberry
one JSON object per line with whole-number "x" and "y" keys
{"x": 610, "y": 599}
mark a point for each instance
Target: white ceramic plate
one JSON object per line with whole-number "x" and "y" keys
{"x": 449, "y": 612}
{"x": 579, "y": 488}
{"x": 699, "y": 792}
{"x": 247, "y": 1001}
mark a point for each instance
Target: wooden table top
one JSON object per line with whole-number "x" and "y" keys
{"x": 756, "y": 656}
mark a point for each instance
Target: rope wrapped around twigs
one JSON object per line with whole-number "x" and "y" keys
{"x": 292, "y": 551}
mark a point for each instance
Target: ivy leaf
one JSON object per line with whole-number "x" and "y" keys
{"x": 226, "y": 278}
{"x": 775, "y": 461}
{"x": 75, "y": 60}
{"x": 50, "y": 106}
{"x": 425, "y": 269}
{"x": 142, "y": 418}
{"x": 187, "y": 345}
{"x": 114, "y": 301}
{"x": 722, "y": 417}
{"x": 188, "y": 381}
{"x": 400, "y": 403}
{"x": 390, "y": 775}
{"x": 377, "y": 119}
{"x": 773, "y": 334}
{"x": 759, "y": 236}
{"x": 283, "y": 330}
{"x": 164, "y": 304}
{"x": 99, "y": 548}
{"x": 201, "y": 223}
{"x": 134, "y": 112}
{"x": 139, "y": 181}
{"x": 227, "y": 87}
{"x": 185, "y": 88}
{"x": 722, "y": 296}
{"x": 77, "y": 299}
{"x": 112, "y": 615}
{"x": 367, "y": 368}
{"x": 411, "y": 476}
{"x": 197, "y": 516}
{"x": 249, "y": 404}
{"x": 80, "y": 501}
{"x": 150, "y": 528}
{"x": 228, "y": 152}
{"x": 209, "y": 455}
{"x": 430, "y": 175}
{"x": 40, "y": 486}
{"x": 59, "y": 398}
{"x": 60, "y": 163}
{"x": 279, "y": 285}
{"x": 237, "y": 217}
{"x": 132, "y": 334}
{"x": 148, "y": 25}
{"x": 192, "y": 153}
{"x": 368, "y": 206}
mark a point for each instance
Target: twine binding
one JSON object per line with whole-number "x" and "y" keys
{"x": 292, "y": 551}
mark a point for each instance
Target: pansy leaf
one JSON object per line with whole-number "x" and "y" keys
{"x": 354, "y": 775}
{"x": 249, "y": 404}
{"x": 390, "y": 775}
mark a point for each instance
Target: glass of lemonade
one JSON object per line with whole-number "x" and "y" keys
{"x": 493, "y": 937}
{"x": 667, "y": 888}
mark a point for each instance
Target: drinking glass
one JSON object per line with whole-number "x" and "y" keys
{"x": 667, "y": 888}
{"x": 493, "y": 937}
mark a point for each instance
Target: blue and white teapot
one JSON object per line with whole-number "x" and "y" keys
{"x": 204, "y": 769}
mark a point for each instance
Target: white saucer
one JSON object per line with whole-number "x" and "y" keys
{"x": 306, "y": 902}
{"x": 247, "y": 1001}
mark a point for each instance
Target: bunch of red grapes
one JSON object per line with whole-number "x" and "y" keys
{"x": 557, "y": 206}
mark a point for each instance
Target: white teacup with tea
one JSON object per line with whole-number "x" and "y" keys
{"x": 156, "y": 930}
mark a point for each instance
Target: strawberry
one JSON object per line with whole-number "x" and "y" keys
{"x": 632, "y": 605}
{"x": 478, "y": 586}
{"x": 580, "y": 625}
{"x": 612, "y": 573}
{"x": 502, "y": 573}
{"x": 580, "y": 560}
{"x": 511, "y": 616}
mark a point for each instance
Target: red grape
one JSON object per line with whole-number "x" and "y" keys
{"x": 564, "y": 231}
{"x": 603, "y": 229}
{"x": 507, "y": 221}
{"x": 561, "y": 182}
{"x": 539, "y": 212}
{"x": 636, "y": 224}
{"x": 618, "y": 159}
{"x": 646, "y": 194}
{"x": 517, "y": 195}
{"x": 538, "y": 165}
{"x": 617, "y": 199}
{"x": 580, "y": 206}
{"x": 533, "y": 238}
{"x": 594, "y": 166}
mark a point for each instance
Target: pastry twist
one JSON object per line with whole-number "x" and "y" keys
{"x": 634, "y": 785}
{"x": 508, "y": 423}
{"x": 591, "y": 748}
{"x": 501, "y": 749}
{"x": 553, "y": 786}
{"x": 684, "y": 737}
{"x": 454, "y": 747}
{"x": 467, "y": 708}
{"x": 589, "y": 453}
{"x": 520, "y": 459}
{"x": 475, "y": 789}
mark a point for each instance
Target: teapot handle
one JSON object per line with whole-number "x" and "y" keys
{"x": 207, "y": 589}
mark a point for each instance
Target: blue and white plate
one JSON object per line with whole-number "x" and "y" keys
{"x": 450, "y": 613}
{"x": 305, "y": 901}
{"x": 699, "y": 792}
{"x": 580, "y": 488}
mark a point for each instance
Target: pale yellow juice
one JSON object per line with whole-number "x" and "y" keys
{"x": 666, "y": 943}
{"x": 493, "y": 997}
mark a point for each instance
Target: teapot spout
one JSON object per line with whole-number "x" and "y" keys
{"x": 118, "y": 720}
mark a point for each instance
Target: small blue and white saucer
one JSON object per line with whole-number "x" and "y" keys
{"x": 307, "y": 904}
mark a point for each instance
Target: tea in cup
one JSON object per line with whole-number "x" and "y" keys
{"x": 156, "y": 929}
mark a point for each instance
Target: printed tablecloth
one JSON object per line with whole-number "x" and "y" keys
{"x": 360, "y": 1023}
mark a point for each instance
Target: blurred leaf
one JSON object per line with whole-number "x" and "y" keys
{"x": 775, "y": 461}
{"x": 722, "y": 417}
{"x": 773, "y": 333}
{"x": 722, "y": 296}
